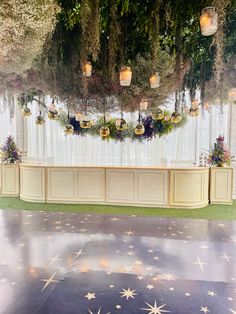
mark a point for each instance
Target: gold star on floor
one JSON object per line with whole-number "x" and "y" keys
{"x": 48, "y": 281}
{"x": 204, "y": 309}
{"x": 150, "y": 287}
{"x": 200, "y": 264}
{"x": 99, "y": 312}
{"x": 53, "y": 259}
{"x": 211, "y": 293}
{"x": 90, "y": 296}
{"x": 154, "y": 309}
{"x": 128, "y": 293}
{"x": 225, "y": 256}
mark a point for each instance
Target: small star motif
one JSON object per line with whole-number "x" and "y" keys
{"x": 99, "y": 312}
{"x": 90, "y": 296}
{"x": 226, "y": 257}
{"x": 211, "y": 293}
{"x": 128, "y": 293}
{"x": 204, "y": 309}
{"x": 130, "y": 253}
{"x": 187, "y": 294}
{"x": 118, "y": 307}
{"x": 140, "y": 277}
{"x": 154, "y": 309}
{"x": 138, "y": 262}
{"x": 150, "y": 287}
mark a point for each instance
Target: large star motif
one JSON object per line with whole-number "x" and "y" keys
{"x": 128, "y": 293}
{"x": 211, "y": 293}
{"x": 48, "y": 281}
{"x": 99, "y": 312}
{"x": 204, "y": 309}
{"x": 154, "y": 309}
{"x": 90, "y": 296}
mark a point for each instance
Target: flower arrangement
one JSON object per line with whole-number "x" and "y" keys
{"x": 219, "y": 155}
{"x": 10, "y": 153}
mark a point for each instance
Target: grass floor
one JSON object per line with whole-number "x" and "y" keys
{"x": 218, "y": 212}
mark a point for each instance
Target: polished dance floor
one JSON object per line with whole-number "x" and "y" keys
{"x": 98, "y": 264}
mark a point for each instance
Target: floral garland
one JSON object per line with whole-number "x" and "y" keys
{"x": 153, "y": 128}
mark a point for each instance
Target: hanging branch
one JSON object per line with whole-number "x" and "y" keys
{"x": 219, "y": 39}
{"x": 114, "y": 33}
{"x": 154, "y": 32}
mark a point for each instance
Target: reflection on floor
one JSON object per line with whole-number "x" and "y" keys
{"x": 73, "y": 263}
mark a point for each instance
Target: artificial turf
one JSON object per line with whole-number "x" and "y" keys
{"x": 218, "y": 212}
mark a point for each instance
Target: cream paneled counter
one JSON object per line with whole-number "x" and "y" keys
{"x": 134, "y": 186}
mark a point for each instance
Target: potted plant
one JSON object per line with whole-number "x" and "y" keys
{"x": 10, "y": 153}
{"x": 220, "y": 155}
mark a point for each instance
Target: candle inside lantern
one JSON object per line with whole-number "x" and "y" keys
{"x": 144, "y": 104}
{"x": 209, "y": 21}
{"x": 125, "y": 76}
{"x": 232, "y": 94}
{"x": 87, "y": 69}
{"x": 154, "y": 80}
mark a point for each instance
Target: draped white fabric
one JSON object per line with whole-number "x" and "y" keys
{"x": 48, "y": 144}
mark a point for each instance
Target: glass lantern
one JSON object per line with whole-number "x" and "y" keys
{"x": 176, "y": 117}
{"x": 87, "y": 69}
{"x": 144, "y": 104}
{"x": 104, "y": 131}
{"x": 154, "y": 80}
{"x": 167, "y": 117}
{"x": 209, "y": 21}
{"x": 139, "y": 129}
{"x": 69, "y": 129}
{"x": 194, "y": 112}
{"x": 26, "y": 112}
{"x": 125, "y": 76}
{"x": 121, "y": 124}
{"x": 53, "y": 113}
{"x": 85, "y": 123}
{"x": 158, "y": 114}
{"x": 40, "y": 119}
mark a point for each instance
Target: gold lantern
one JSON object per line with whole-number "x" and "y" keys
{"x": 125, "y": 76}
{"x": 69, "y": 129}
{"x": 53, "y": 113}
{"x": 232, "y": 94}
{"x": 194, "y": 112}
{"x": 139, "y": 129}
{"x": 121, "y": 124}
{"x": 143, "y": 104}
{"x": 207, "y": 106}
{"x": 104, "y": 131}
{"x": 26, "y": 112}
{"x": 87, "y": 69}
{"x": 209, "y": 21}
{"x": 154, "y": 80}
{"x": 158, "y": 114}
{"x": 185, "y": 109}
{"x": 176, "y": 117}
{"x": 85, "y": 123}
{"x": 40, "y": 119}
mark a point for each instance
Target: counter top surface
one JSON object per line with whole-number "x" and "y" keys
{"x": 117, "y": 167}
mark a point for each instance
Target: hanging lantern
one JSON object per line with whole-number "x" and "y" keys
{"x": 87, "y": 69}
{"x": 194, "y": 112}
{"x": 185, "y": 109}
{"x": 26, "y": 112}
{"x": 207, "y": 106}
{"x": 69, "y": 129}
{"x": 176, "y": 117}
{"x": 79, "y": 116}
{"x": 121, "y": 124}
{"x": 85, "y": 123}
{"x": 125, "y": 76}
{"x": 194, "y": 103}
{"x": 139, "y": 129}
{"x": 209, "y": 21}
{"x": 158, "y": 114}
{"x": 167, "y": 117}
{"x": 143, "y": 104}
{"x": 232, "y": 94}
{"x": 104, "y": 131}
{"x": 53, "y": 113}
{"x": 40, "y": 119}
{"x": 154, "y": 80}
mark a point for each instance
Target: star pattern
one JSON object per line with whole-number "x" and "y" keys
{"x": 96, "y": 262}
{"x": 154, "y": 309}
{"x": 128, "y": 293}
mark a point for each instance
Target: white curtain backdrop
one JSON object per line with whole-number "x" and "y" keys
{"x": 48, "y": 144}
